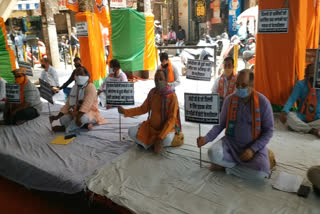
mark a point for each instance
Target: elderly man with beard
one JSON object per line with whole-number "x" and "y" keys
{"x": 163, "y": 126}
{"x": 306, "y": 120}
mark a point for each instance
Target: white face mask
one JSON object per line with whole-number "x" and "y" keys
{"x": 111, "y": 70}
{"x": 82, "y": 80}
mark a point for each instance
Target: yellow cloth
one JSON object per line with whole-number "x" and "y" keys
{"x": 61, "y": 141}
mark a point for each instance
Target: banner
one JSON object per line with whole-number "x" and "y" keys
{"x": 118, "y": 3}
{"x": 199, "y": 70}
{"x": 46, "y": 91}
{"x": 234, "y": 12}
{"x": 13, "y": 93}
{"x": 27, "y": 66}
{"x": 273, "y": 21}
{"x": 73, "y": 5}
{"x": 119, "y": 93}
{"x": 215, "y": 6}
{"x": 202, "y": 108}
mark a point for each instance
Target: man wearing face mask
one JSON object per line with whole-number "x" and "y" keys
{"x": 163, "y": 126}
{"x": 30, "y": 106}
{"x": 49, "y": 75}
{"x": 115, "y": 75}
{"x": 226, "y": 83}
{"x": 170, "y": 69}
{"x": 248, "y": 119}
{"x": 81, "y": 108}
{"x": 307, "y": 119}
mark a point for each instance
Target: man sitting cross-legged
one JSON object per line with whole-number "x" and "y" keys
{"x": 248, "y": 119}
{"x": 163, "y": 127}
{"x": 81, "y": 107}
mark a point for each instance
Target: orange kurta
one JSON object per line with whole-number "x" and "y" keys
{"x": 151, "y": 129}
{"x": 89, "y": 105}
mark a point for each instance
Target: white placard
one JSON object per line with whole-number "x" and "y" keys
{"x": 28, "y": 67}
{"x": 13, "y": 93}
{"x": 82, "y": 29}
{"x": 46, "y": 91}
{"x": 273, "y": 21}
{"x": 119, "y": 93}
{"x": 199, "y": 70}
{"x": 118, "y": 3}
{"x": 316, "y": 81}
{"x": 202, "y": 108}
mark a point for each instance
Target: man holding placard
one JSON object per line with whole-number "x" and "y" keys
{"x": 248, "y": 119}
{"x": 29, "y": 105}
{"x": 170, "y": 69}
{"x": 50, "y": 75}
{"x": 226, "y": 83}
{"x": 307, "y": 119}
{"x": 2, "y": 93}
{"x": 115, "y": 75}
{"x": 81, "y": 107}
{"x": 163, "y": 127}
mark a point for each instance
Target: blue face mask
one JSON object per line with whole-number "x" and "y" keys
{"x": 242, "y": 93}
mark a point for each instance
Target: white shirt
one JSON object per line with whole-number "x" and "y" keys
{"x": 2, "y": 88}
{"x": 122, "y": 78}
{"x": 50, "y": 76}
{"x": 215, "y": 86}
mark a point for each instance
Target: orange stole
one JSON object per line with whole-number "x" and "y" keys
{"x": 170, "y": 72}
{"x": 309, "y": 106}
{"x": 232, "y": 116}
{"x": 231, "y": 85}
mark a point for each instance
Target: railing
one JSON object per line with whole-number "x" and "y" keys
{"x": 193, "y": 47}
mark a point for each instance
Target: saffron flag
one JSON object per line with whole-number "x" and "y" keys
{"x": 101, "y": 9}
{"x": 73, "y": 5}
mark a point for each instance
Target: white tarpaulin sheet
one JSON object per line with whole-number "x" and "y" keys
{"x": 174, "y": 183}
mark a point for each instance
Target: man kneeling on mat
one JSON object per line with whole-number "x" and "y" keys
{"x": 30, "y": 104}
{"x": 248, "y": 119}
{"x": 163, "y": 127}
{"x": 81, "y": 107}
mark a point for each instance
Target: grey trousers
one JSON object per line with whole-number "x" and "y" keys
{"x": 133, "y": 131}
{"x": 70, "y": 123}
{"x": 215, "y": 154}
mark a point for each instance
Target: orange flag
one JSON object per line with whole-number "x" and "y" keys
{"x": 101, "y": 9}
{"x": 73, "y": 5}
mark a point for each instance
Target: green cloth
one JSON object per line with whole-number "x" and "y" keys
{"x": 128, "y": 38}
{"x": 5, "y": 66}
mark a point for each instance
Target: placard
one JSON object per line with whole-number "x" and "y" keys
{"x": 202, "y": 108}
{"x": 46, "y": 91}
{"x": 199, "y": 70}
{"x": 273, "y": 21}
{"x": 82, "y": 29}
{"x": 316, "y": 82}
{"x": 119, "y": 93}
{"x": 118, "y": 3}
{"x": 28, "y": 67}
{"x": 13, "y": 93}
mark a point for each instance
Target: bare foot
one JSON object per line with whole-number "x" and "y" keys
{"x": 90, "y": 126}
{"x": 58, "y": 128}
{"x": 215, "y": 167}
{"x": 20, "y": 122}
{"x": 315, "y": 132}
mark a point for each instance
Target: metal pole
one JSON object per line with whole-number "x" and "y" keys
{"x": 49, "y": 115}
{"x": 120, "y": 127}
{"x": 200, "y": 147}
